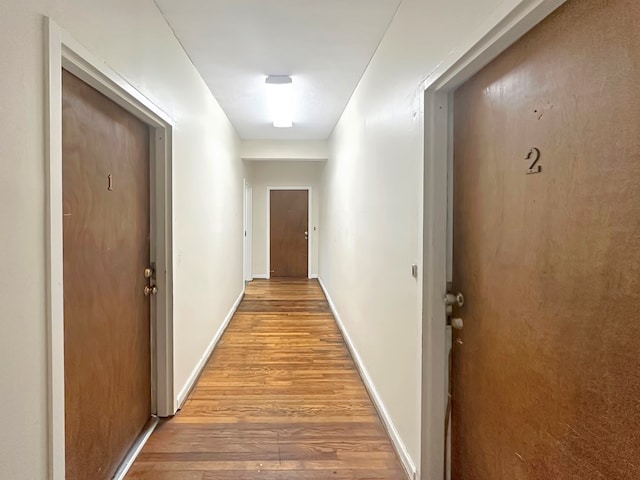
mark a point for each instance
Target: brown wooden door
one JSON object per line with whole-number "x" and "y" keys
{"x": 289, "y": 244}
{"x": 546, "y": 382}
{"x": 106, "y": 248}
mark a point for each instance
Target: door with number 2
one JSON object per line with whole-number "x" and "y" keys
{"x": 546, "y": 245}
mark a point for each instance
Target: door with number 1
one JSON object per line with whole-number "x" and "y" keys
{"x": 107, "y": 338}
{"x": 546, "y": 250}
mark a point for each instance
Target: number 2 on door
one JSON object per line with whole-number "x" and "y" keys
{"x": 534, "y": 167}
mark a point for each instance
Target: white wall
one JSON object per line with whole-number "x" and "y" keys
{"x": 133, "y": 39}
{"x": 372, "y": 207}
{"x": 283, "y": 174}
{"x": 284, "y": 149}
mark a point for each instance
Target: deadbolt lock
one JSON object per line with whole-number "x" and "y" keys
{"x": 451, "y": 300}
{"x": 454, "y": 300}
{"x": 148, "y": 272}
{"x": 150, "y": 290}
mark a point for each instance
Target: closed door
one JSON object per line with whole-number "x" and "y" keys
{"x": 106, "y": 249}
{"x": 289, "y": 233}
{"x": 546, "y": 371}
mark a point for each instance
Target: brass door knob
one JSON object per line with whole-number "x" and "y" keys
{"x": 150, "y": 290}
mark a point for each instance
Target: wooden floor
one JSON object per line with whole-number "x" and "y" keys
{"x": 279, "y": 399}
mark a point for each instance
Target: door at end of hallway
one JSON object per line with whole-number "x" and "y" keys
{"x": 289, "y": 233}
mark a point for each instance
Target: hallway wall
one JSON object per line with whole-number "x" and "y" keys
{"x": 372, "y": 209}
{"x": 134, "y": 40}
{"x": 263, "y": 174}
{"x": 284, "y": 149}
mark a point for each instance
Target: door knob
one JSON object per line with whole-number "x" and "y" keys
{"x": 150, "y": 290}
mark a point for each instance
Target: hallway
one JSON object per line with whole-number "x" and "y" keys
{"x": 280, "y": 398}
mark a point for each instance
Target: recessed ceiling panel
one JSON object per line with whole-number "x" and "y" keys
{"x": 324, "y": 45}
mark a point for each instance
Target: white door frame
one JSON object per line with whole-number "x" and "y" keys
{"x": 63, "y": 51}
{"x": 512, "y": 20}
{"x": 309, "y": 229}
{"x": 248, "y": 232}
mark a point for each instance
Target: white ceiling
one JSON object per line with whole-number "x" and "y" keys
{"x": 325, "y": 45}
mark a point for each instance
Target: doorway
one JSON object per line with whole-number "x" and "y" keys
{"x": 546, "y": 251}
{"x": 64, "y": 53}
{"x": 289, "y": 239}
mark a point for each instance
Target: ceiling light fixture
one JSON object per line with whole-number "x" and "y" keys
{"x": 280, "y": 95}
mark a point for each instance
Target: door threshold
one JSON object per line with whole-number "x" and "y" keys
{"x": 136, "y": 448}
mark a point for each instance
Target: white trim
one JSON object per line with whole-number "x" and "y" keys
{"x": 195, "y": 374}
{"x": 55, "y": 292}
{"x": 505, "y": 26}
{"x": 509, "y": 23}
{"x": 309, "y": 224}
{"x": 313, "y": 275}
{"x": 63, "y": 51}
{"x": 392, "y": 431}
{"x": 262, "y": 276}
{"x": 284, "y": 159}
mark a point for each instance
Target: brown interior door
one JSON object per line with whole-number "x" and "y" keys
{"x": 546, "y": 381}
{"x": 289, "y": 244}
{"x": 106, "y": 249}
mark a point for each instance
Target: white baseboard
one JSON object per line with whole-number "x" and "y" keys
{"x": 193, "y": 378}
{"x": 401, "y": 449}
{"x": 313, "y": 275}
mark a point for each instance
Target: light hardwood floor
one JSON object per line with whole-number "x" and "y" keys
{"x": 280, "y": 398}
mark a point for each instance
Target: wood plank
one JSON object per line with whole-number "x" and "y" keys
{"x": 279, "y": 399}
